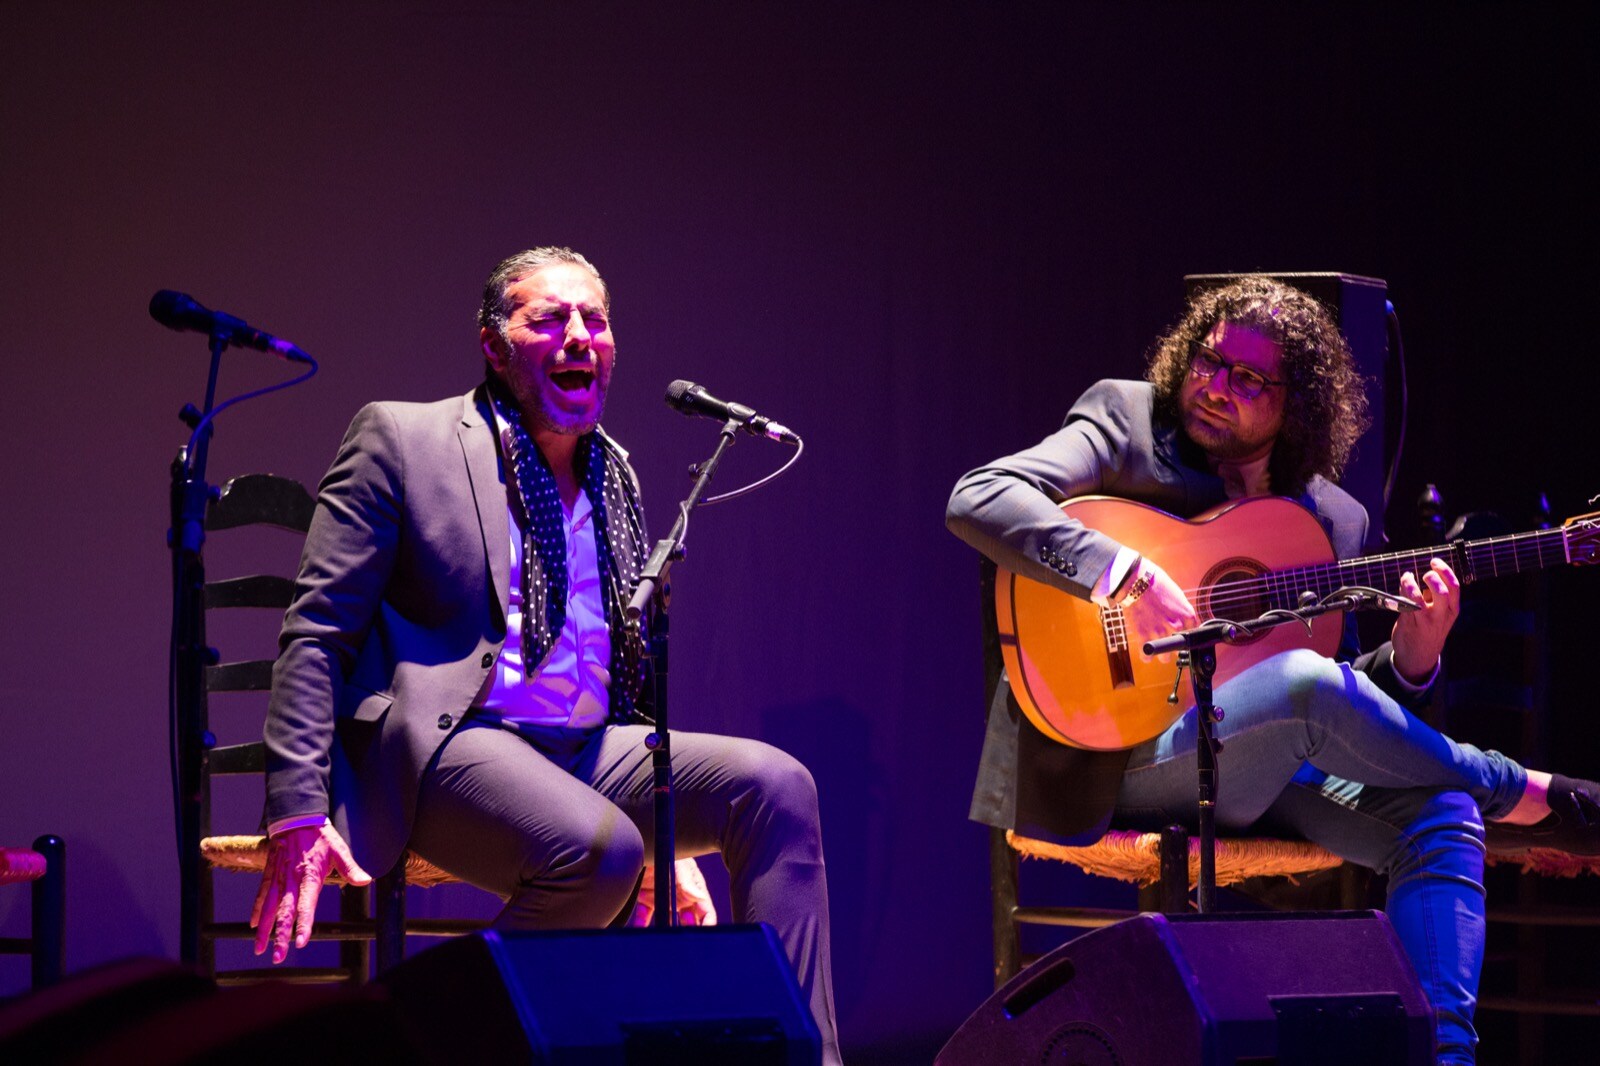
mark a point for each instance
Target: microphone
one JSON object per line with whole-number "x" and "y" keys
{"x": 691, "y": 399}
{"x": 180, "y": 311}
{"x": 1362, "y": 598}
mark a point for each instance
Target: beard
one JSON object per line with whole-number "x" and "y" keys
{"x": 549, "y": 417}
{"x": 1222, "y": 442}
{"x": 541, "y": 399}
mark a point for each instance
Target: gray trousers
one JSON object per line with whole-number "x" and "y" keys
{"x": 559, "y": 823}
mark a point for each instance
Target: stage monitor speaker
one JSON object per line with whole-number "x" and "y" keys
{"x": 1360, "y": 306}
{"x": 720, "y": 995}
{"x": 1159, "y": 990}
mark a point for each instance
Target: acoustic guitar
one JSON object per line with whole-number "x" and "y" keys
{"x": 1074, "y": 673}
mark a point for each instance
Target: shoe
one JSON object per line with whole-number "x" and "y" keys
{"x": 1572, "y": 826}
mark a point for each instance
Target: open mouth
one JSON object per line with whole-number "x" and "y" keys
{"x": 573, "y": 380}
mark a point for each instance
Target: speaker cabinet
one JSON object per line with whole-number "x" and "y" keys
{"x": 1160, "y": 990}
{"x": 719, "y": 995}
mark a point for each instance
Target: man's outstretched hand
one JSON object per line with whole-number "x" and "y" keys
{"x": 298, "y": 861}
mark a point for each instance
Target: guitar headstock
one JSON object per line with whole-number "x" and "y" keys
{"x": 1582, "y": 535}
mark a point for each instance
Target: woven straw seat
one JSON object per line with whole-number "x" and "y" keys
{"x": 20, "y": 864}
{"x": 1135, "y": 857}
{"x": 248, "y": 854}
{"x": 1547, "y": 862}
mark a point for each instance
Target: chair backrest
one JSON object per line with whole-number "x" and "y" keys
{"x": 250, "y": 501}
{"x": 246, "y": 501}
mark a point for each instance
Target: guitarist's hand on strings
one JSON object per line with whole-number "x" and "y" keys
{"x": 1419, "y": 635}
{"x": 1154, "y": 606}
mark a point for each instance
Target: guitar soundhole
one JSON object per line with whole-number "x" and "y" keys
{"x": 1233, "y": 589}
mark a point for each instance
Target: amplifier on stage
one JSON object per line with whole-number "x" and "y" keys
{"x": 1224, "y": 989}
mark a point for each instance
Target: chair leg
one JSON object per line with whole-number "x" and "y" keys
{"x": 353, "y": 909}
{"x": 1003, "y": 907}
{"x": 1174, "y": 851}
{"x": 389, "y": 908}
{"x": 50, "y": 913}
{"x": 1355, "y": 884}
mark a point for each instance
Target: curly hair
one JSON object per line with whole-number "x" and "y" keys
{"x": 1325, "y": 406}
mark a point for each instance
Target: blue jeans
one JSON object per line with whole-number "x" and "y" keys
{"x": 1315, "y": 748}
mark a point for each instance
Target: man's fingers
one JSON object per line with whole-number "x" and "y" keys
{"x": 306, "y": 910}
{"x": 345, "y": 861}
{"x": 261, "y": 896}
{"x": 266, "y": 907}
{"x": 1444, "y": 570}
{"x": 282, "y": 927}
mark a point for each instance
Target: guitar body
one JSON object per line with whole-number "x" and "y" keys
{"x": 1069, "y": 662}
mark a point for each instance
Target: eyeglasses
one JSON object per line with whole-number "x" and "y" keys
{"x": 1204, "y": 363}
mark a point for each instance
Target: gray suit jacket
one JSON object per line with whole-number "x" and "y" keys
{"x": 398, "y": 618}
{"x": 1009, "y": 510}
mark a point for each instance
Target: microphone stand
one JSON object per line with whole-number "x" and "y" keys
{"x": 1199, "y": 646}
{"x": 189, "y": 735}
{"x": 654, "y": 586}
{"x": 190, "y": 654}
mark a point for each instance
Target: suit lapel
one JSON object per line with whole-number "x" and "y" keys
{"x": 476, "y": 434}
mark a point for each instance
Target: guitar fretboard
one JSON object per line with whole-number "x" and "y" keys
{"x": 1489, "y": 557}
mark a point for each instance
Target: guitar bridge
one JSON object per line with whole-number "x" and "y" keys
{"x": 1118, "y": 663}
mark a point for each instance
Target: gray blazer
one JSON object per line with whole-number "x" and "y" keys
{"x": 1110, "y": 444}
{"x": 399, "y": 615}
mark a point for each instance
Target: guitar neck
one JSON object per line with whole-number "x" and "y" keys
{"x": 1471, "y": 560}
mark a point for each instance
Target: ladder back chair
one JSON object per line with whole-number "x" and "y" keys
{"x": 267, "y": 500}
{"x": 1164, "y": 865}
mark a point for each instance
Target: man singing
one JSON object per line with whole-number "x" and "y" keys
{"x": 1252, "y": 393}
{"x": 455, "y": 676}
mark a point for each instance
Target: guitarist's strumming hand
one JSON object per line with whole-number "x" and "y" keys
{"x": 1419, "y": 635}
{"x": 1154, "y": 606}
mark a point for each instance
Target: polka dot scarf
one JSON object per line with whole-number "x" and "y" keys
{"x": 620, "y": 545}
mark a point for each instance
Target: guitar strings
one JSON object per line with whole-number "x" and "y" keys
{"x": 1484, "y": 556}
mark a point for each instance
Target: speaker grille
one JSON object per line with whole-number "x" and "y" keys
{"x": 1080, "y": 1044}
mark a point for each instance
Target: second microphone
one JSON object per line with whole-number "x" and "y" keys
{"x": 691, "y": 399}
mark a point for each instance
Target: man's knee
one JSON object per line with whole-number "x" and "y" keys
{"x": 607, "y": 859}
{"x": 792, "y": 787}
{"x": 780, "y": 784}
{"x": 1313, "y": 684}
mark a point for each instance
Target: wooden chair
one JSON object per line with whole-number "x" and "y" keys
{"x": 1164, "y": 865}
{"x": 45, "y": 866}
{"x": 266, "y": 500}
{"x": 1542, "y": 925}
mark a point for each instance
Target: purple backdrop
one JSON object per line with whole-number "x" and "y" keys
{"x": 913, "y": 237}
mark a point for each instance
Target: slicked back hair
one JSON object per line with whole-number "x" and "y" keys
{"x": 1325, "y": 403}
{"x": 495, "y": 310}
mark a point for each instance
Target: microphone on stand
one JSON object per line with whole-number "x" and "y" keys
{"x": 690, "y": 399}
{"x": 180, "y": 311}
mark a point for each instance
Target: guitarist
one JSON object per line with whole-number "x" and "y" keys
{"x": 1254, "y": 392}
